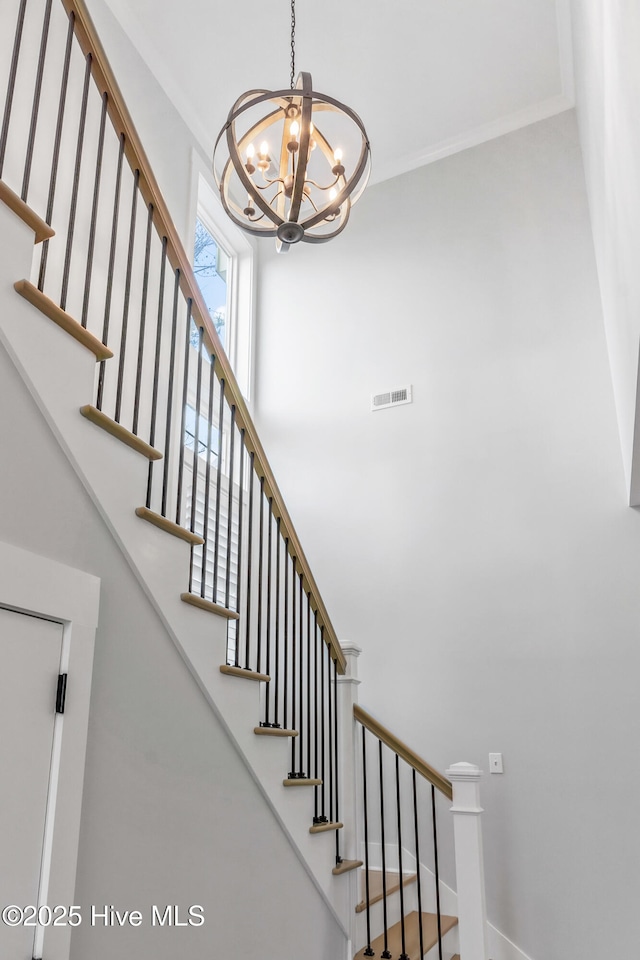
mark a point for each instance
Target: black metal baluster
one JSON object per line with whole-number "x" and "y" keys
{"x": 94, "y": 215}
{"x": 196, "y": 441}
{"x": 168, "y": 424}
{"x": 285, "y": 696}
{"x": 316, "y": 716}
{"x": 260, "y": 565}
{"x": 322, "y": 816}
{"x": 403, "y": 955}
{"x": 143, "y": 319}
{"x": 386, "y": 955}
{"x": 44, "y": 39}
{"x": 267, "y": 704}
{"x": 293, "y": 773}
{"x": 239, "y": 564}
{"x": 55, "y": 157}
{"x": 368, "y": 952}
{"x": 183, "y": 419}
{"x": 276, "y": 696}
{"x": 227, "y": 578}
{"x": 112, "y": 255}
{"x": 418, "y": 878}
{"x": 337, "y": 754}
{"x": 207, "y": 477}
{"x": 249, "y": 561}
{"x": 156, "y": 366}
{"x": 436, "y": 868}
{"x": 127, "y": 294}
{"x": 330, "y": 734}
{"x": 309, "y": 683}
{"x": 76, "y": 185}
{"x": 216, "y": 545}
{"x": 12, "y": 82}
{"x": 300, "y": 736}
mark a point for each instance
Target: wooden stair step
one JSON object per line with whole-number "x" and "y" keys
{"x": 64, "y": 320}
{"x": 40, "y": 227}
{"x": 376, "y": 888}
{"x": 301, "y": 782}
{"x": 163, "y": 523}
{"x": 119, "y": 432}
{"x": 211, "y": 607}
{"x": 456, "y": 957}
{"x": 274, "y": 732}
{"x": 230, "y": 671}
{"x": 412, "y": 935}
{"x": 325, "y": 827}
{"x": 346, "y": 866}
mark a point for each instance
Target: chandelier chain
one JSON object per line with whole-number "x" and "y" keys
{"x": 293, "y": 43}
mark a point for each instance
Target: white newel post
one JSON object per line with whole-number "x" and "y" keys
{"x": 348, "y": 684}
{"x": 467, "y": 830}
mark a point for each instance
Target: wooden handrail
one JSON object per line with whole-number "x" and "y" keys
{"x": 419, "y": 765}
{"x": 137, "y": 158}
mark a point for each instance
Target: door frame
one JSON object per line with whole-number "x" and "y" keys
{"x": 41, "y": 587}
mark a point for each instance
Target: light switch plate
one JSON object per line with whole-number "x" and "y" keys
{"x": 495, "y": 763}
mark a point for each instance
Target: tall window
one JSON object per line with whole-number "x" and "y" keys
{"x": 211, "y": 266}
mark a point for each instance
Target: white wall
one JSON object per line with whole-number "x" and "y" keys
{"x": 606, "y": 41}
{"x": 476, "y": 543}
{"x": 170, "y": 813}
{"x": 165, "y": 136}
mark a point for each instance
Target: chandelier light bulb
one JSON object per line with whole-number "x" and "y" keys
{"x": 251, "y": 152}
{"x": 295, "y": 129}
{"x": 264, "y": 150}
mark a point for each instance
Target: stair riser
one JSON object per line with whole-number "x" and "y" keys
{"x": 376, "y": 913}
{"x": 393, "y": 916}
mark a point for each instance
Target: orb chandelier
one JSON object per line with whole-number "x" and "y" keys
{"x": 290, "y": 164}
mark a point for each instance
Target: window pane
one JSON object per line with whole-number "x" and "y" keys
{"x": 210, "y": 265}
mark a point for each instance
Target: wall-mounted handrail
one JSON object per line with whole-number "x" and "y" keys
{"x": 147, "y": 184}
{"x": 425, "y": 770}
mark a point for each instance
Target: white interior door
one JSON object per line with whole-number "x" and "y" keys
{"x": 30, "y": 651}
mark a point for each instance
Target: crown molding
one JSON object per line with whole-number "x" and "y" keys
{"x": 472, "y": 138}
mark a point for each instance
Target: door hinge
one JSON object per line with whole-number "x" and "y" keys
{"x": 61, "y": 695}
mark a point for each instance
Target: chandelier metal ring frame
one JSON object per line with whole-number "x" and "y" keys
{"x": 295, "y": 109}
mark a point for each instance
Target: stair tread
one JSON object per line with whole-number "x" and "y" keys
{"x": 274, "y": 732}
{"x": 119, "y": 432}
{"x": 325, "y": 827}
{"x": 40, "y": 227}
{"x": 210, "y": 607}
{"x": 376, "y": 889}
{"x": 69, "y": 324}
{"x": 412, "y": 935}
{"x": 346, "y": 866}
{"x": 163, "y": 523}
{"x": 230, "y": 671}
{"x": 301, "y": 782}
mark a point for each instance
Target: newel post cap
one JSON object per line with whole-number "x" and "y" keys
{"x": 350, "y": 649}
{"x": 464, "y": 771}
{"x": 351, "y": 653}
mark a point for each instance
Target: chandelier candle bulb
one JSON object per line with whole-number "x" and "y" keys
{"x": 251, "y": 152}
{"x": 292, "y": 202}
{"x": 292, "y": 146}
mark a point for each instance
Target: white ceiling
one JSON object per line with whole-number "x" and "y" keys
{"x": 428, "y": 77}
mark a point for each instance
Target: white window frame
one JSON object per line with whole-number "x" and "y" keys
{"x": 204, "y": 203}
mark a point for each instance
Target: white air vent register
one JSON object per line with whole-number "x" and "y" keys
{"x": 391, "y": 398}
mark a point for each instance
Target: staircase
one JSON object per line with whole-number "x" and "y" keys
{"x": 113, "y": 338}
